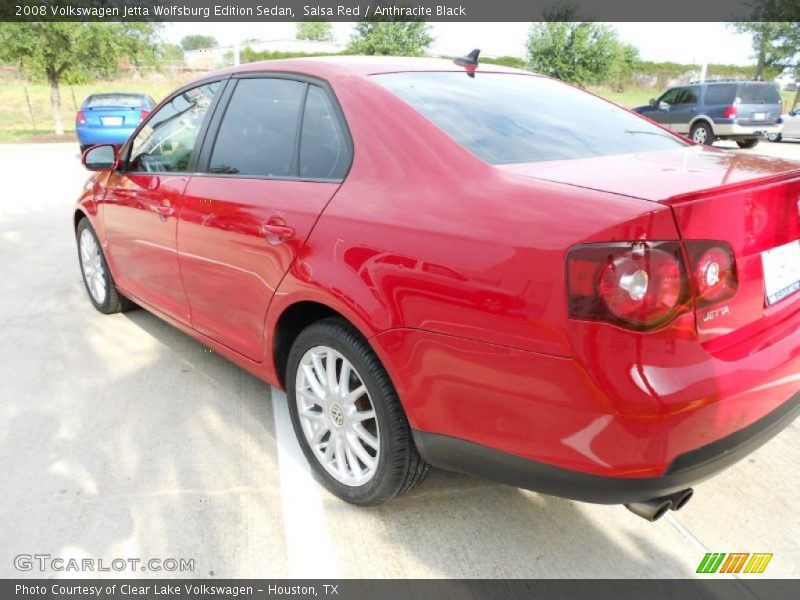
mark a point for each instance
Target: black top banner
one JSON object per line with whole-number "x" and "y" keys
{"x": 400, "y": 10}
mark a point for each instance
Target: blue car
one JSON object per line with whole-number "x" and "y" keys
{"x": 111, "y": 118}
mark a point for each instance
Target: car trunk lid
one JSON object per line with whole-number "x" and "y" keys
{"x": 112, "y": 116}
{"x": 750, "y": 202}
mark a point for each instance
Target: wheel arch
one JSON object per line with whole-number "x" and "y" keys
{"x": 293, "y": 319}
{"x": 704, "y": 118}
{"x": 76, "y": 218}
{"x": 295, "y": 316}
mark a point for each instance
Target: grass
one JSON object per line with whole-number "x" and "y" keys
{"x": 16, "y": 124}
{"x": 15, "y": 119}
{"x": 19, "y": 136}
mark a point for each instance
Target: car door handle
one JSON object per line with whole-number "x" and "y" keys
{"x": 279, "y": 230}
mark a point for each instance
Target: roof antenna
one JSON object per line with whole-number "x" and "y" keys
{"x": 469, "y": 62}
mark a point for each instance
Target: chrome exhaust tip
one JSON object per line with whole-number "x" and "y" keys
{"x": 680, "y": 499}
{"x": 650, "y": 510}
{"x": 654, "y": 509}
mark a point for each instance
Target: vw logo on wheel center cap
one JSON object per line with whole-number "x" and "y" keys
{"x": 337, "y": 416}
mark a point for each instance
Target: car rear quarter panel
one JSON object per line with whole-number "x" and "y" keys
{"x": 423, "y": 235}
{"x": 455, "y": 271}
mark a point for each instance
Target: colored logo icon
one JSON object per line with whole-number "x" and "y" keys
{"x": 737, "y": 562}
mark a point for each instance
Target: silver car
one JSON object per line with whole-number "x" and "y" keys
{"x": 791, "y": 127}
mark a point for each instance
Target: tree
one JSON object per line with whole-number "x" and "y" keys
{"x": 74, "y": 51}
{"x": 774, "y": 43}
{"x": 775, "y": 34}
{"x": 170, "y": 54}
{"x": 580, "y": 52}
{"x": 198, "y": 42}
{"x": 319, "y": 31}
{"x": 626, "y": 60}
{"x": 398, "y": 38}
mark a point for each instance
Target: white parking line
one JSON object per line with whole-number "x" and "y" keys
{"x": 308, "y": 542}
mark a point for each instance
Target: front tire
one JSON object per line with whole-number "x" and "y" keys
{"x": 775, "y": 137}
{"x": 347, "y": 416}
{"x": 702, "y": 134}
{"x": 746, "y": 144}
{"x": 96, "y": 275}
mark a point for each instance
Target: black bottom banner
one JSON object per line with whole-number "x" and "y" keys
{"x": 413, "y": 589}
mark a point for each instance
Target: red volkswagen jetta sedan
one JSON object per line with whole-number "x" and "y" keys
{"x": 483, "y": 270}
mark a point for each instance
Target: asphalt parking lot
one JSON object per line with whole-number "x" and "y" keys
{"x": 121, "y": 437}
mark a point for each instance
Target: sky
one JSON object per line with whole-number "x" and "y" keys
{"x": 676, "y": 42}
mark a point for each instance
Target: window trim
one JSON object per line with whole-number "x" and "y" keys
{"x": 211, "y": 133}
{"x": 127, "y": 148}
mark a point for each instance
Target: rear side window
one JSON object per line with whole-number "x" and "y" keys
{"x": 689, "y": 95}
{"x": 721, "y": 94}
{"x": 259, "y": 130}
{"x": 324, "y": 153}
{"x": 510, "y": 118}
{"x": 755, "y": 93}
{"x": 114, "y": 101}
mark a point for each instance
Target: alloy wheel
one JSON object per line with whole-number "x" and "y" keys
{"x": 337, "y": 416}
{"x": 699, "y": 135}
{"x": 94, "y": 273}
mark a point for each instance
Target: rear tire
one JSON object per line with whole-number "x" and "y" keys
{"x": 97, "y": 276}
{"x": 702, "y": 134}
{"x": 367, "y": 474}
{"x": 746, "y": 144}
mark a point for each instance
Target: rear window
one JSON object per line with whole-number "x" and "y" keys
{"x": 509, "y": 118}
{"x": 758, "y": 93}
{"x": 721, "y": 94}
{"x": 115, "y": 101}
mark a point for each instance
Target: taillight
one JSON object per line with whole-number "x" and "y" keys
{"x": 730, "y": 113}
{"x": 80, "y": 119}
{"x": 637, "y": 285}
{"x": 714, "y": 271}
{"x": 143, "y": 115}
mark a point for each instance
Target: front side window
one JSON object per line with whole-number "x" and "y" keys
{"x": 509, "y": 118}
{"x": 258, "y": 133}
{"x": 166, "y": 142}
{"x": 670, "y": 96}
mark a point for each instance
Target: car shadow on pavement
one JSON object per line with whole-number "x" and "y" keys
{"x": 453, "y": 525}
{"x": 169, "y": 451}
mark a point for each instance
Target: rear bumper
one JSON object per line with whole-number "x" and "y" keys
{"x": 745, "y": 131}
{"x": 686, "y": 470}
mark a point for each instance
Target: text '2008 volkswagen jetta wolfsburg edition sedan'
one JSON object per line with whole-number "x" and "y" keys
{"x": 479, "y": 269}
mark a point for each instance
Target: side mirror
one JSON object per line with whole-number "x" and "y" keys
{"x": 653, "y": 102}
{"x": 100, "y": 158}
